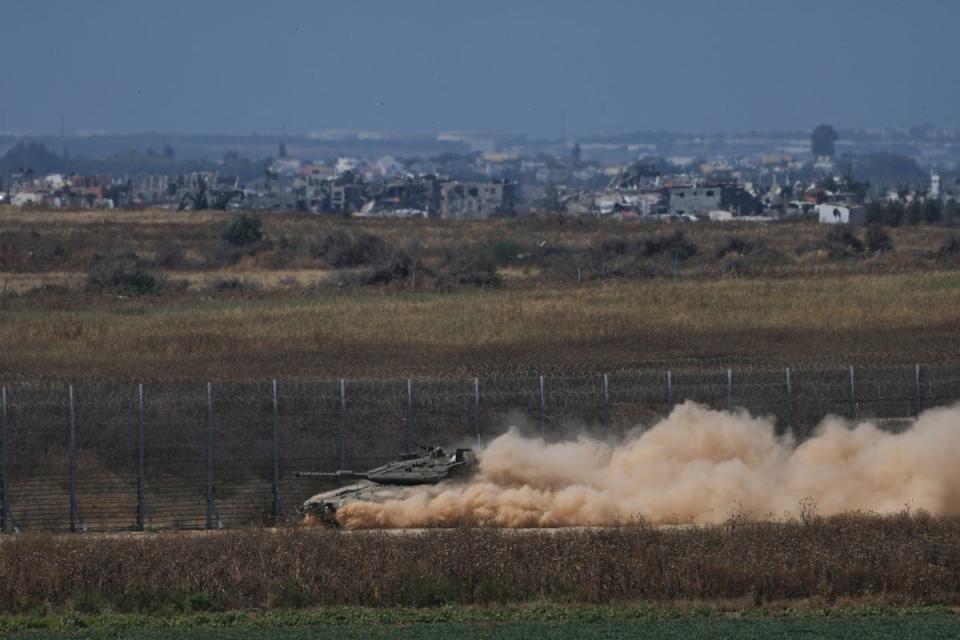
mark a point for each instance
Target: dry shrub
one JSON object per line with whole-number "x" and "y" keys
{"x": 378, "y": 262}
{"x": 950, "y": 249}
{"x": 122, "y": 273}
{"x": 232, "y": 284}
{"x": 341, "y": 249}
{"x": 676, "y": 244}
{"x": 226, "y": 254}
{"x": 622, "y": 257}
{"x": 398, "y": 267}
{"x": 906, "y": 557}
{"x": 740, "y": 256}
{"x": 282, "y": 253}
{"x": 275, "y": 258}
{"x": 169, "y": 256}
{"x": 32, "y": 251}
{"x": 842, "y": 242}
{"x": 615, "y": 247}
{"x": 877, "y": 239}
{"x": 472, "y": 268}
{"x": 737, "y": 246}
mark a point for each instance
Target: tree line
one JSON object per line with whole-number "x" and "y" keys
{"x": 896, "y": 214}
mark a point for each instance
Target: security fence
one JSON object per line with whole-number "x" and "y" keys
{"x": 112, "y": 456}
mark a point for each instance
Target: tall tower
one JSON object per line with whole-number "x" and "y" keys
{"x": 934, "y": 185}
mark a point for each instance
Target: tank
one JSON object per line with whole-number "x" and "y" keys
{"x": 430, "y": 466}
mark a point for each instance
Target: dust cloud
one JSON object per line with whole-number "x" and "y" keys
{"x": 695, "y": 466}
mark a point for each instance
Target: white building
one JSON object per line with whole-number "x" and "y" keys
{"x": 836, "y": 213}
{"x": 27, "y": 197}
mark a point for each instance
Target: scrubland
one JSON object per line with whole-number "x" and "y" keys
{"x": 151, "y": 294}
{"x": 855, "y": 558}
{"x": 298, "y": 251}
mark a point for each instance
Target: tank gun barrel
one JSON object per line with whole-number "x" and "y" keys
{"x": 334, "y": 475}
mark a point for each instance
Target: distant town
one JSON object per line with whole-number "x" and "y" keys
{"x": 907, "y": 175}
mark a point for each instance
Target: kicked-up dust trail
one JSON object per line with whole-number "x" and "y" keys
{"x": 695, "y": 466}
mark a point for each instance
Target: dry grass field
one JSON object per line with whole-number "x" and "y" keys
{"x": 901, "y": 317}
{"x": 292, "y": 306}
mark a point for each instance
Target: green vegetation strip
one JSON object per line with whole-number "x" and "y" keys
{"x": 507, "y": 622}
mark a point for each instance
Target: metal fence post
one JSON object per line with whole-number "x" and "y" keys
{"x": 76, "y": 522}
{"x": 919, "y": 397}
{"x": 787, "y": 400}
{"x": 669, "y": 392}
{"x": 543, "y": 408}
{"x": 853, "y": 394}
{"x": 3, "y": 460}
{"x": 476, "y": 409}
{"x": 343, "y": 423}
{"x": 729, "y": 402}
{"x": 141, "y": 429}
{"x": 212, "y": 512}
{"x": 275, "y": 483}
{"x": 408, "y": 434}
{"x": 606, "y": 405}
{"x": 6, "y": 515}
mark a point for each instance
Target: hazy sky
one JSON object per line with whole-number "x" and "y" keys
{"x": 484, "y": 65}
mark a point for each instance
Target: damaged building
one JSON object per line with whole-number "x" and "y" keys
{"x": 477, "y": 199}
{"x": 693, "y": 199}
{"x": 407, "y": 196}
{"x": 426, "y": 195}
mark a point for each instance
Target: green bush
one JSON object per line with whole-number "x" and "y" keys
{"x": 506, "y": 251}
{"x": 287, "y": 593}
{"x": 244, "y": 229}
{"x": 121, "y": 273}
{"x": 428, "y": 591}
{"x": 489, "y": 590}
{"x": 194, "y": 602}
{"x": 87, "y": 601}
